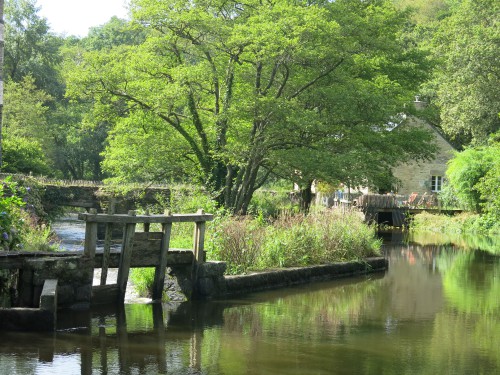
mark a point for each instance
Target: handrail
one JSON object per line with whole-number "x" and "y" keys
{"x": 130, "y": 220}
{"x": 146, "y": 219}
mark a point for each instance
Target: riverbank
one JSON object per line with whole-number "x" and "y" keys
{"x": 464, "y": 223}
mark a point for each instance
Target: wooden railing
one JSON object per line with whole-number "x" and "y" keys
{"x": 397, "y": 201}
{"x": 129, "y": 222}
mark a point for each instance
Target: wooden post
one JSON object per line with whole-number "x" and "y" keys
{"x": 146, "y": 225}
{"x": 107, "y": 244}
{"x": 199, "y": 239}
{"x": 90, "y": 237}
{"x": 161, "y": 268}
{"x": 125, "y": 256}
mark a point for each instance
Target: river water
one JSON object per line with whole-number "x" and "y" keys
{"x": 435, "y": 311}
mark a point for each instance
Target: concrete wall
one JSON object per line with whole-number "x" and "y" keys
{"x": 415, "y": 177}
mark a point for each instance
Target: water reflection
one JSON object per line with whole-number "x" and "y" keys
{"x": 436, "y": 311}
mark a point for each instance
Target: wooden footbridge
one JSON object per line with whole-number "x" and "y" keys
{"x": 49, "y": 281}
{"x": 394, "y": 209}
{"x": 151, "y": 249}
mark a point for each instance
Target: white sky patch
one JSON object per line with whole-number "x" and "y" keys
{"x": 75, "y": 17}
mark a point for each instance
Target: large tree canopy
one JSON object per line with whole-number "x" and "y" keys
{"x": 232, "y": 92}
{"x": 30, "y": 48}
{"x": 467, "y": 81}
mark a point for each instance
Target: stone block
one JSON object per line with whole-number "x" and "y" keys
{"x": 211, "y": 269}
{"x": 206, "y": 287}
{"x": 48, "y": 298}
{"x": 83, "y": 293}
{"x": 65, "y": 295}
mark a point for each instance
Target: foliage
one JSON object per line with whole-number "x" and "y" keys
{"x": 231, "y": 94}
{"x": 271, "y": 203}
{"x": 447, "y": 198}
{"x": 292, "y": 240}
{"x": 472, "y": 174}
{"x": 25, "y": 109}
{"x": 23, "y": 155}
{"x": 468, "y": 77}
{"x": 30, "y": 48}
{"x": 20, "y": 227}
{"x": 238, "y": 241}
{"x": 11, "y": 221}
{"x": 489, "y": 184}
{"x": 460, "y": 223}
{"x": 143, "y": 279}
{"x": 115, "y": 32}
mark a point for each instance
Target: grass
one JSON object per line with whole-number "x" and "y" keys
{"x": 247, "y": 244}
{"x": 456, "y": 224}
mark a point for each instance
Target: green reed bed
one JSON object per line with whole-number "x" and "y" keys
{"x": 247, "y": 244}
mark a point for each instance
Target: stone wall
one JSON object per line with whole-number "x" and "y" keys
{"x": 213, "y": 284}
{"x": 415, "y": 177}
{"x": 74, "y": 275}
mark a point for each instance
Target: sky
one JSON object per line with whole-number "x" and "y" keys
{"x": 75, "y": 17}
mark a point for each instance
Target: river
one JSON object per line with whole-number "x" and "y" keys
{"x": 435, "y": 311}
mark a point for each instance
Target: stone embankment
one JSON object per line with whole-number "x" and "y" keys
{"x": 213, "y": 284}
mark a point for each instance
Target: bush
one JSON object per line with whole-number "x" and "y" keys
{"x": 461, "y": 223}
{"x": 237, "y": 241}
{"x": 143, "y": 279}
{"x": 292, "y": 240}
{"x": 19, "y": 226}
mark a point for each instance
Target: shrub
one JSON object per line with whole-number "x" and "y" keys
{"x": 11, "y": 218}
{"x": 292, "y": 240}
{"x": 143, "y": 279}
{"x": 19, "y": 226}
{"x": 321, "y": 237}
{"x": 462, "y": 223}
{"x": 237, "y": 241}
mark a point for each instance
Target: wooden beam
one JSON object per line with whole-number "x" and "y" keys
{"x": 127, "y": 219}
{"x": 159, "y": 280}
{"x": 124, "y": 268}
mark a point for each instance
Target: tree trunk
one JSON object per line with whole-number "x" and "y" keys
{"x": 306, "y": 197}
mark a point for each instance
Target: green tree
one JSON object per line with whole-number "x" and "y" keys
{"x": 115, "y": 32}
{"x": 473, "y": 174}
{"x": 468, "y": 78}
{"x": 30, "y": 48}
{"x": 23, "y": 155}
{"x": 238, "y": 88}
{"x": 25, "y": 128}
{"x": 488, "y": 186}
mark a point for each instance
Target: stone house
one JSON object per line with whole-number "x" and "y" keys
{"x": 424, "y": 176}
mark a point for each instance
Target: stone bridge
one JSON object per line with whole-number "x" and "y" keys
{"x": 94, "y": 194}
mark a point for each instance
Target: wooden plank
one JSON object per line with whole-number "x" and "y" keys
{"x": 90, "y": 239}
{"x": 161, "y": 268}
{"x": 199, "y": 246}
{"x": 147, "y": 236}
{"x": 108, "y": 237}
{"x": 147, "y": 258}
{"x": 105, "y": 257}
{"x": 124, "y": 268}
{"x": 128, "y": 219}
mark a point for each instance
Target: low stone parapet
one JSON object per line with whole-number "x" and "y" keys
{"x": 213, "y": 284}
{"x": 41, "y": 319}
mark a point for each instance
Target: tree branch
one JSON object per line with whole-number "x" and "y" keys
{"x": 311, "y": 83}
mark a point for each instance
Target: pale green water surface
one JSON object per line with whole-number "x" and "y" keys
{"x": 435, "y": 311}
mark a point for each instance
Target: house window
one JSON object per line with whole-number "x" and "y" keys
{"x": 436, "y": 183}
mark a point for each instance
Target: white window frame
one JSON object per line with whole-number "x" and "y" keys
{"x": 436, "y": 183}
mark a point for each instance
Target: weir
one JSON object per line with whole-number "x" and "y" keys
{"x": 47, "y": 282}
